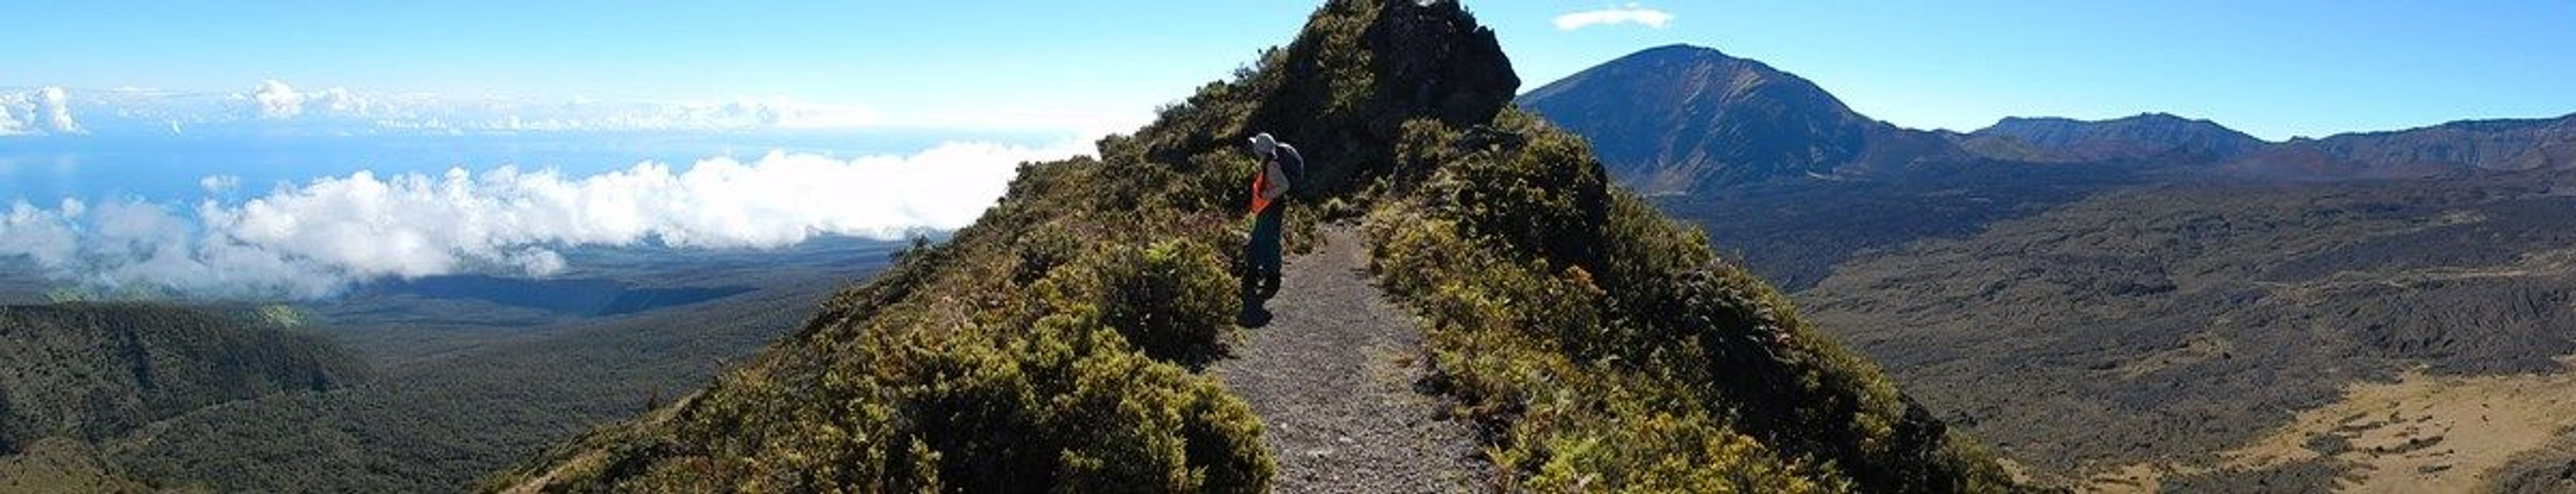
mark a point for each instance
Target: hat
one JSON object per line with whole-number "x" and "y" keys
{"x": 1264, "y": 144}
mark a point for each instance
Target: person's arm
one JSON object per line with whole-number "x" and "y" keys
{"x": 1278, "y": 180}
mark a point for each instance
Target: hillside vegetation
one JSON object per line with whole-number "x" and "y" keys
{"x": 75, "y": 375}
{"x": 92, "y": 371}
{"x": 441, "y": 424}
{"x": 1051, "y": 345}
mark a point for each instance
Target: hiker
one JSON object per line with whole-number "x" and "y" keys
{"x": 1281, "y": 166}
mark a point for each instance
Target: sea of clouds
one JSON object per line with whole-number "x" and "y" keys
{"x": 319, "y": 237}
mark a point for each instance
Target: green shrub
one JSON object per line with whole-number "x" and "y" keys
{"x": 1070, "y": 405}
{"x": 1052, "y": 245}
{"x": 1547, "y": 198}
{"x": 1175, "y": 300}
{"x": 1500, "y": 334}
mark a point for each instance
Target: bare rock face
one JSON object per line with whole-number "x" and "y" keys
{"x": 1460, "y": 75}
{"x": 1362, "y": 68}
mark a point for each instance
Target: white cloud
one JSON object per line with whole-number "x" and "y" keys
{"x": 53, "y": 107}
{"x": 9, "y": 125}
{"x": 1630, "y": 14}
{"x": 219, "y": 183}
{"x": 41, "y": 235}
{"x": 341, "y": 101}
{"x": 313, "y": 239}
{"x": 45, "y": 110}
{"x": 277, "y": 100}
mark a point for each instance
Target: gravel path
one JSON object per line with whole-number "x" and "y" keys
{"x": 1332, "y": 378}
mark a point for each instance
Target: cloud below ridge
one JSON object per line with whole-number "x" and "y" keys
{"x": 316, "y": 238}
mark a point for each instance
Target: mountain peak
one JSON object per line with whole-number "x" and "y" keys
{"x": 1730, "y": 121}
{"x": 1682, "y": 50}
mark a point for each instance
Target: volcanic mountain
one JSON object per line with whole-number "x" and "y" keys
{"x": 1679, "y": 118}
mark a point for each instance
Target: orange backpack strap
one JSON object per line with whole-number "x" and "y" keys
{"x": 1260, "y": 192}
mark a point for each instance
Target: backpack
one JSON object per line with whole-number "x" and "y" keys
{"x": 1293, "y": 164}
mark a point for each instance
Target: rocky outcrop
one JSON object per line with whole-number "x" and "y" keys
{"x": 1343, "y": 100}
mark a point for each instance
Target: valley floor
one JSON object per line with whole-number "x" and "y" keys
{"x": 2421, "y": 433}
{"x": 2387, "y": 336}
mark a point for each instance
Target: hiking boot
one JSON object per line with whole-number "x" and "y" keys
{"x": 1253, "y": 315}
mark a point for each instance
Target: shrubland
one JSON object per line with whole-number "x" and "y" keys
{"x": 1050, "y": 345}
{"x": 1608, "y": 345}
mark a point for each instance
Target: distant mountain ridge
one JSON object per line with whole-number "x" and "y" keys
{"x": 2457, "y": 147}
{"x": 1682, "y": 118}
{"x": 2148, "y": 136}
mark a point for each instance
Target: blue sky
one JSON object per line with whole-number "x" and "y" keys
{"x": 2274, "y": 69}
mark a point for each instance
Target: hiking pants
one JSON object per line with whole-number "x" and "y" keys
{"x": 1261, "y": 256}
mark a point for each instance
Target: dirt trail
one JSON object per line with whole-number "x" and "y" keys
{"x": 1332, "y": 377}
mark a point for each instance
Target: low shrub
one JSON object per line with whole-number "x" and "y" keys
{"x": 1175, "y": 299}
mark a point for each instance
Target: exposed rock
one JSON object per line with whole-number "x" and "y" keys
{"x": 1413, "y": 60}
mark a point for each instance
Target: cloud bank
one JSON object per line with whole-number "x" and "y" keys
{"x": 44, "y": 110}
{"x": 277, "y": 101}
{"x": 55, "y": 108}
{"x": 9, "y": 124}
{"x": 316, "y": 238}
{"x": 1630, "y": 14}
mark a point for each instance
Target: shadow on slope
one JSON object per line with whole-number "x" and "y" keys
{"x": 573, "y": 297}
